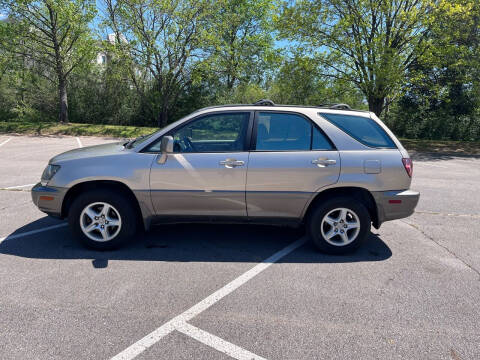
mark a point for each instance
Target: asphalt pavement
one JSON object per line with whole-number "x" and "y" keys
{"x": 237, "y": 291}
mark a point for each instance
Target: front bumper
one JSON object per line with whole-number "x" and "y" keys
{"x": 393, "y": 205}
{"x": 48, "y": 199}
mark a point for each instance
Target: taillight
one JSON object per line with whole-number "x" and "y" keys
{"x": 408, "y": 164}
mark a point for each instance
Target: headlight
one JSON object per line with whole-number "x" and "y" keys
{"x": 49, "y": 171}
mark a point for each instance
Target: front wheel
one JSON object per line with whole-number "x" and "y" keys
{"x": 102, "y": 220}
{"x": 339, "y": 226}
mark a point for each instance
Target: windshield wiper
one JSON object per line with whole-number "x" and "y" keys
{"x": 129, "y": 143}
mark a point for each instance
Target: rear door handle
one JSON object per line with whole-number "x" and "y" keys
{"x": 323, "y": 162}
{"x": 231, "y": 163}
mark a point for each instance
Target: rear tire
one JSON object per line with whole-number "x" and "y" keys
{"x": 102, "y": 219}
{"x": 339, "y": 225}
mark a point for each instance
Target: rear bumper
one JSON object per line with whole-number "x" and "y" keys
{"x": 393, "y": 205}
{"x": 48, "y": 199}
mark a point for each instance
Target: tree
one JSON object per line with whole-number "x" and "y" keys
{"x": 300, "y": 81}
{"x": 162, "y": 40}
{"x": 53, "y": 36}
{"x": 104, "y": 95}
{"x": 370, "y": 43}
{"x": 242, "y": 43}
{"x": 6, "y": 58}
{"x": 441, "y": 97}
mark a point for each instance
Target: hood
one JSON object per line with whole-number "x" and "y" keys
{"x": 89, "y": 151}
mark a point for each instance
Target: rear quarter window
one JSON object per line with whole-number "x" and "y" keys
{"x": 362, "y": 129}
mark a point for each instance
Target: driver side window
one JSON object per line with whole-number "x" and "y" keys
{"x": 223, "y": 132}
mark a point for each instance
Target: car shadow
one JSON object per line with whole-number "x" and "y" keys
{"x": 186, "y": 243}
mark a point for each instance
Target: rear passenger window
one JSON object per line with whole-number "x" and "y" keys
{"x": 320, "y": 141}
{"x": 288, "y": 132}
{"x": 362, "y": 129}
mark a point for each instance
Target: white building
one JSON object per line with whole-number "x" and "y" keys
{"x": 103, "y": 56}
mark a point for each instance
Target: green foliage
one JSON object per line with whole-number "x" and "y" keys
{"x": 54, "y": 128}
{"x": 243, "y": 94}
{"x": 417, "y": 62}
{"x": 368, "y": 43}
{"x": 104, "y": 95}
{"x": 300, "y": 81}
{"x": 241, "y": 48}
{"x": 50, "y": 37}
{"x": 26, "y": 95}
{"x": 159, "y": 40}
{"x": 441, "y": 98}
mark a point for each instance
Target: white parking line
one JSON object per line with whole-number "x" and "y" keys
{"x": 33, "y": 232}
{"x": 217, "y": 343}
{"x": 18, "y": 186}
{"x": 6, "y": 141}
{"x": 79, "y": 142}
{"x": 143, "y": 344}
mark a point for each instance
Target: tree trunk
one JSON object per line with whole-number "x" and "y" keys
{"x": 375, "y": 104}
{"x": 230, "y": 81}
{"x": 59, "y": 67}
{"x": 163, "y": 118}
{"x": 63, "y": 101}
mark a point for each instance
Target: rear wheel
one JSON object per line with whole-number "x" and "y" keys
{"x": 102, "y": 220}
{"x": 339, "y": 225}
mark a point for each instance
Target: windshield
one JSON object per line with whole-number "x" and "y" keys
{"x": 143, "y": 138}
{"x": 139, "y": 140}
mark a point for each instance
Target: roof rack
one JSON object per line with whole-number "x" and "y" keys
{"x": 264, "y": 102}
{"x": 336, "y": 106}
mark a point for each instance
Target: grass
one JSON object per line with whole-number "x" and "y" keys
{"x": 120, "y": 131}
{"x": 75, "y": 129}
{"x": 442, "y": 146}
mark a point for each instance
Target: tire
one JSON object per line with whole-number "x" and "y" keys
{"x": 119, "y": 219}
{"x": 339, "y": 237}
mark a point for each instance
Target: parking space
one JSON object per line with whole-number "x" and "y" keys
{"x": 23, "y": 158}
{"x": 77, "y": 303}
{"x": 223, "y": 291}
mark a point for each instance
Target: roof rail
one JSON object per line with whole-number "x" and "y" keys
{"x": 336, "y": 106}
{"x": 264, "y": 102}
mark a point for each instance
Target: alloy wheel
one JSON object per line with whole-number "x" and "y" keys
{"x": 340, "y": 226}
{"x": 100, "y": 221}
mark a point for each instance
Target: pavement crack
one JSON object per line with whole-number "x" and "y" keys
{"x": 477, "y": 216}
{"x": 417, "y": 227}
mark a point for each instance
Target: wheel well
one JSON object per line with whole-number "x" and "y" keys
{"x": 360, "y": 194}
{"x": 117, "y": 186}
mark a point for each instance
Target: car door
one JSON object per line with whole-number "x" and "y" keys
{"x": 291, "y": 159}
{"x": 206, "y": 173}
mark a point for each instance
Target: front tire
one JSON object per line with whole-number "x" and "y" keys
{"x": 339, "y": 226}
{"x": 102, "y": 220}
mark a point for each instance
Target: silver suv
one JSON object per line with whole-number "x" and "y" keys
{"x": 334, "y": 169}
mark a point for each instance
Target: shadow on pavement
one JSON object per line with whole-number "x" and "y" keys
{"x": 187, "y": 243}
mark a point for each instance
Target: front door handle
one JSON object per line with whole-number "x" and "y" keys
{"x": 231, "y": 163}
{"x": 323, "y": 162}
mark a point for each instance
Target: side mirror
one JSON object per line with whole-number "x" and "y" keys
{"x": 166, "y": 147}
{"x": 167, "y": 144}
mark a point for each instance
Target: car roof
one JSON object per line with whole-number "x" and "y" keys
{"x": 286, "y": 108}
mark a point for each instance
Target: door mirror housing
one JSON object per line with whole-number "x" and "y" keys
{"x": 167, "y": 145}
